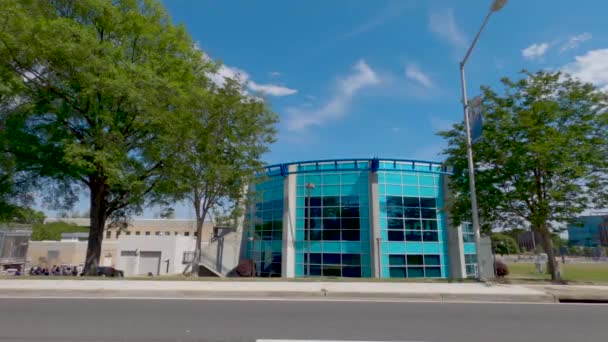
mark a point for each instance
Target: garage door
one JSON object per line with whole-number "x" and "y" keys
{"x": 149, "y": 262}
{"x": 128, "y": 260}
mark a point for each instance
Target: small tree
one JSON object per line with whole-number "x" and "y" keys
{"x": 219, "y": 152}
{"x": 542, "y": 159}
{"x": 504, "y": 244}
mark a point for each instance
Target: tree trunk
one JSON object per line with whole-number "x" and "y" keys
{"x": 98, "y": 216}
{"x": 197, "y": 247}
{"x": 552, "y": 266}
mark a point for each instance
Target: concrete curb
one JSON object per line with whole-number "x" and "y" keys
{"x": 434, "y": 297}
{"x": 473, "y": 292}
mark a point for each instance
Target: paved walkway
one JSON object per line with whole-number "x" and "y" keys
{"x": 411, "y": 291}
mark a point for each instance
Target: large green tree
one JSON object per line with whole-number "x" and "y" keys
{"x": 93, "y": 88}
{"x": 220, "y": 151}
{"x": 542, "y": 160}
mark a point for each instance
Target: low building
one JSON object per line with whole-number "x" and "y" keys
{"x": 145, "y": 246}
{"x": 589, "y": 231}
{"x": 14, "y": 246}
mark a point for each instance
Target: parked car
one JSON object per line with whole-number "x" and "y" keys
{"x": 10, "y": 272}
{"x": 105, "y": 271}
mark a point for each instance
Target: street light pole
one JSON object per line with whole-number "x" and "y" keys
{"x": 497, "y": 5}
{"x": 309, "y": 188}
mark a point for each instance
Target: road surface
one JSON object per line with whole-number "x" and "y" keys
{"x": 40, "y": 319}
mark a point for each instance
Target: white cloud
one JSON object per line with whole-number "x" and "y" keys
{"x": 443, "y": 24}
{"x": 535, "y": 51}
{"x": 574, "y": 41}
{"x": 414, "y": 73}
{"x": 225, "y": 71}
{"x": 347, "y": 88}
{"x": 391, "y": 11}
{"x": 271, "y": 89}
{"x": 591, "y": 67}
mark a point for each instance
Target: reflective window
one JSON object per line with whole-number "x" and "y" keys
{"x": 333, "y": 264}
{"x": 336, "y": 218}
{"x": 414, "y": 214}
{"x": 414, "y": 266}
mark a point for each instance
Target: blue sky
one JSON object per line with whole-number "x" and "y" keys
{"x": 379, "y": 78}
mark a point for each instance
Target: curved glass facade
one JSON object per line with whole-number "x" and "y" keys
{"x": 350, "y": 218}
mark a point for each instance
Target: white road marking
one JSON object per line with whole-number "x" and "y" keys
{"x": 324, "y": 341}
{"x": 254, "y": 299}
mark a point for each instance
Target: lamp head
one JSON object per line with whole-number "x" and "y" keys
{"x": 497, "y": 5}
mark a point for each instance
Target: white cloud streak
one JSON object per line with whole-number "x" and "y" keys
{"x": 271, "y": 89}
{"x": 335, "y": 108}
{"x": 535, "y": 51}
{"x": 225, "y": 72}
{"x": 591, "y": 67}
{"x": 394, "y": 9}
{"x": 414, "y": 73}
{"x": 443, "y": 24}
{"x": 574, "y": 41}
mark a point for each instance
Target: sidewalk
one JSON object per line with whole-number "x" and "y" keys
{"x": 211, "y": 289}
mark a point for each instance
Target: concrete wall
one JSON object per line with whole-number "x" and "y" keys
{"x": 49, "y": 253}
{"x": 171, "y": 250}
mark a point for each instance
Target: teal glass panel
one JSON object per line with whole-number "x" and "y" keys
{"x": 383, "y": 224}
{"x": 410, "y": 180}
{"x": 300, "y": 234}
{"x": 327, "y": 166}
{"x": 469, "y": 248}
{"x": 381, "y": 177}
{"x": 331, "y": 190}
{"x": 381, "y": 189}
{"x": 364, "y": 189}
{"x": 300, "y": 180}
{"x": 393, "y": 178}
{"x": 349, "y": 189}
{"x": 300, "y": 212}
{"x": 277, "y": 246}
{"x": 312, "y": 178}
{"x": 393, "y": 190}
{"x": 299, "y": 258}
{"x": 384, "y": 234}
{"x": 315, "y": 247}
{"x": 432, "y": 248}
{"x": 385, "y": 272}
{"x": 427, "y": 180}
{"x": 331, "y": 247}
{"x": 413, "y": 248}
{"x": 346, "y": 165}
{"x": 366, "y": 272}
{"x": 331, "y": 179}
{"x": 366, "y": 246}
{"x": 385, "y": 260}
{"x": 396, "y": 248}
{"x": 299, "y": 270}
{"x": 351, "y": 247}
{"x": 411, "y": 191}
{"x": 428, "y": 192}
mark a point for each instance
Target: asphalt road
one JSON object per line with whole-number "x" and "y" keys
{"x": 30, "y": 319}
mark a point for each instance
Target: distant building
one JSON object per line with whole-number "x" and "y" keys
{"x": 589, "y": 231}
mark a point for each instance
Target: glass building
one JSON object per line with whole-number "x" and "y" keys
{"x": 362, "y": 218}
{"x": 589, "y": 231}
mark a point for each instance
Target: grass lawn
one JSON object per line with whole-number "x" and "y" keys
{"x": 577, "y": 273}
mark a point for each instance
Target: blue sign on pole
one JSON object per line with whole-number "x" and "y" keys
{"x": 476, "y": 119}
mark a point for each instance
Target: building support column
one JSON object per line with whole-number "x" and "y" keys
{"x": 374, "y": 225}
{"x": 288, "y": 260}
{"x": 455, "y": 242}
